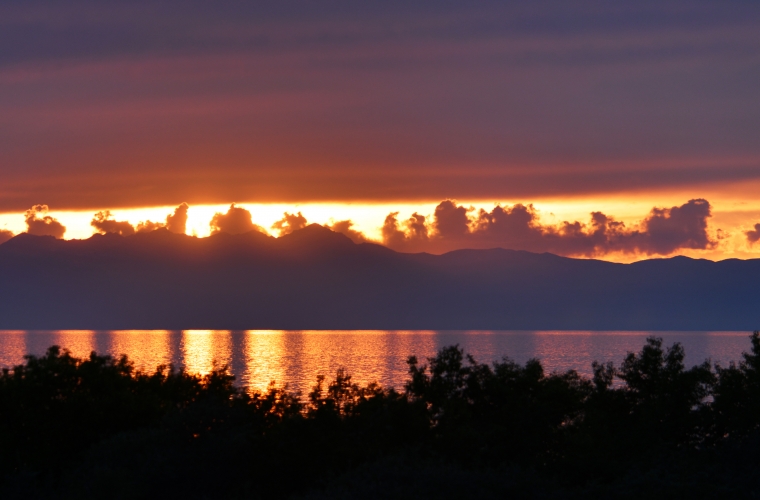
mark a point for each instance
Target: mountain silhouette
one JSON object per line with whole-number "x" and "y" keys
{"x": 315, "y": 278}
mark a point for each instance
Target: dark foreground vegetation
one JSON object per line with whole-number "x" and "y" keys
{"x": 649, "y": 428}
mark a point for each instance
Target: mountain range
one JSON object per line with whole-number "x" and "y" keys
{"x": 315, "y": 278}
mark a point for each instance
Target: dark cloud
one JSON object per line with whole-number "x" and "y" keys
{"x": 148, "y": 226}
{"x": 177, "y": 222}
{"x": 5, "y": 235}
{"x": 345, "y": 227}
{"x": 237, "y": 220}
{"x": 41, "y": 224}
{"x": 662, "y": 232}
{"x": 666, "y": 230}
{"x": 393, "y": 236}
{"x": 754, "y": 235}
{"x": 451, "y": 221}
{"x": 104, "y": 223}
{"x": 411, "y": 235}
{"x": 289, "y": 223}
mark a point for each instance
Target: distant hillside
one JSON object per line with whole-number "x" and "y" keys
{"x": 317, "y": 279}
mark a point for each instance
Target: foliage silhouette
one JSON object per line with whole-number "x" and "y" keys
{"x": 94, "y": 427}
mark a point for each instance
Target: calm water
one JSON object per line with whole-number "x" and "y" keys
{"x": 257, "y": 357}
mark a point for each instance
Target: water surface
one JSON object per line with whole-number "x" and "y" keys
{"x": 257, "y": 357}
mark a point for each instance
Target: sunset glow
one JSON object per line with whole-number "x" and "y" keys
{"x": 730, "y": 220}
{"x": 571, "y": 109}
{"x": 373, "y": 115}
{"x": 379, "y": 249}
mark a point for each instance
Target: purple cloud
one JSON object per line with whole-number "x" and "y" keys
{"x": 662, "y": 232}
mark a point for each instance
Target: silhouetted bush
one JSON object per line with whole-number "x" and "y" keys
{"x": 96, "y": 427}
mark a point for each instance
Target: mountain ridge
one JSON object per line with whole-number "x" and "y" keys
{"x": 315, "y": 278}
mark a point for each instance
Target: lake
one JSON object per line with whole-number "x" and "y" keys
{"x": 257, "y": 357}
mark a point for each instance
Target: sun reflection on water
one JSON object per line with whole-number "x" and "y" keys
{"x": 202, "y": 350}
{"x": 147, "y": 349}
{"x": 266, "y": 359}
{"x": 368, "y": 355}
{"x": 14, "y": 346}
{"x": 80, "y": 342}
{"x": 257, "y": 357}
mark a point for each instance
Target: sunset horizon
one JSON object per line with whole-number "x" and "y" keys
{"x": 714, "y": 234}
{"x": 380, "y": 249}
{"x": 569, "y": 109}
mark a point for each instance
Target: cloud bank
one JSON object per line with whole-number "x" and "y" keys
{"x": 452, "y": 226}
{"x": 662, "y": 232}
{"x": 176, "y": 222}
{"x": 373, "y": 101}
{"x": 41, "y": 224}
{"x": 753, "y": 235}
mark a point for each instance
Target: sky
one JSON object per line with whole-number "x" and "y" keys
{"x": 358, "y": 110}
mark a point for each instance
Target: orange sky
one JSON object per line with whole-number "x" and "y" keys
{"x": 354, "y": 111}
{"x": 733, "y": 218}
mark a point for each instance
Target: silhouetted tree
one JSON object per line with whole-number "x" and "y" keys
{"x": 736, "y": 406}
{"x": 500, "y": 413}
{"x": 74, "y": 427}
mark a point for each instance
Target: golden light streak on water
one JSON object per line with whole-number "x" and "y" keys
{"x": 266, "y": 359}
{"x": 14, "y": 346}
{"x": 148, "y": 348}
{"x": 80, "y": 342}
{"x": 256, "y": 357}
{"x": 367, "y": 355}
{"x": 204, "y": 350}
